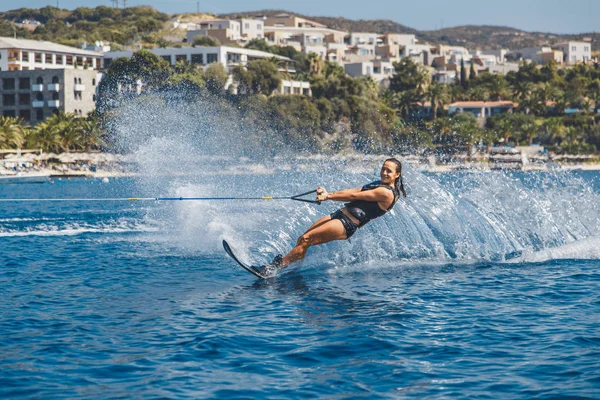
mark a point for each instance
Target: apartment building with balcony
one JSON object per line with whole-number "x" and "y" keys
{"x": 228, "y": 56}
{"x": 226, "y": 30}
{"x": 377, "y": 69}
{"x": 34, "y": 95}
{"x": 24, "y": 54}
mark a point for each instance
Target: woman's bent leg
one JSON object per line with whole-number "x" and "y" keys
{"x": 327, "y": 231}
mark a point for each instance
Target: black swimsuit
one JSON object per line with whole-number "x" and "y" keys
{"x": 362, "y": 210}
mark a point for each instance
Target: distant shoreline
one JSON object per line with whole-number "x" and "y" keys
{"x": 223, "y": 165}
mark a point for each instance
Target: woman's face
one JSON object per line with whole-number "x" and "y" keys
{"x": 388, "y": 173}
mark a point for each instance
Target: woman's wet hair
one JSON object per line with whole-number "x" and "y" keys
{"x": 398, "y": 183}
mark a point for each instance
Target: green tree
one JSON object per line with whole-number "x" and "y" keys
{"x": 258, "y": 44}
{"x": 297, "y": 119}
{"x": 265, "y": 77}
{"x": 438, "y": 97}
{"x": 472, "y": 73}
{"x": 409, "y": 76}
{"x": 593, "y": 93}
{"x": 243, "y": 79}
{"x": 203, "y": 40}
{"x": 216, "y": 77}
{"x": 463, "y": 74}
{"x": 45, "y": 135}
{"x": 12, "y": 133}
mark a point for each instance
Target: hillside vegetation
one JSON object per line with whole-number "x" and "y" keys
{"x": 132, "y": 25}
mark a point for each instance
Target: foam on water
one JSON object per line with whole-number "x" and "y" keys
{"x": 71, "y": 228}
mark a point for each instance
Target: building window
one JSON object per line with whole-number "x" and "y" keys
{"x": 8, "y": 84}
{"x": 197, "y": 59}
{"x": 247, "y": 26}
{"x": 8, "y": 100}
{"x": 94, "y": 82}
{"x": 25, "y": 56}
{"x": 55, "y": 79}
{"x": 55, "y": 96}
{"x": 573, "y": 48}
{"x": 586, "y": 48}
{"x": 24, "y": 99}
{"x": 48, "y": 58}
{"x": 166, "y": 58}
{"x": 39, "y": 114}
{"x": 180, "y": 57}
{"x": 9, "y": 113}
{"x": 79, "y": 80}
{"x": 25, "y": 114}
{"x": 69, "y": 60}
{"x": 60, "y": 59}
{"x": 39, "y": 96}
{"x": 75, "y": 81}
{"x": 211, "y": 58}
{"x": 38, "y": 57}
{"x": 24, "y": 83}
{"x": 39, "y": 80}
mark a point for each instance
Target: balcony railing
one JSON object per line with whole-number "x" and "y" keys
{"x": 54, "y": 103}
{"x": 79, "y": 87}
{"x": 38, "y": 104}
{"x": 37, "y": 88}
{"x": 54, "y": 87}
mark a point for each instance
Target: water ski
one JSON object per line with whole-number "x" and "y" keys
{"x": 241, "y": 264}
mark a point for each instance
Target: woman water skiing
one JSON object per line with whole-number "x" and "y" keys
{"x": 366, "y": 203}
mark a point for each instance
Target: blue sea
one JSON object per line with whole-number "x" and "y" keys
{"x": 478, "y": 285}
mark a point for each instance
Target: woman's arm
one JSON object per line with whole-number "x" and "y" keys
{"x": 380, "y": 195}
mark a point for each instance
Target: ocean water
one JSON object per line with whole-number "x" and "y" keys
{"x": 482, "y": 284}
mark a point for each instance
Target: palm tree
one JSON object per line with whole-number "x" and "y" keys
{"x": 522, "y": 89}
{"x": 497, "y": 87}
{"x": 505, "y": 129}
{"x": 12, "y": 132}
{"x": 92, "y": 137}
{"x": 436, "y": 93}
{"x": 529, "y": 129}
{"x": 315, "y": 64}
{"x": 69, "y": 128}
{"x": 45, "y": 136}
{"x": 478, "y": 93}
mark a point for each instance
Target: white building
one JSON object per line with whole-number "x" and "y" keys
{"x": 202, "y": 55}
{"x": 294, "y": 87}
{"x": 239, "y": 30}
{"x": 499, "y": 54}
{"x": 358, "y": 38}
{"x": 576, "y": 51}
{"x": 503, "y": 68}
{"x": 24, "y": 54}
{"x": 252, "y": 28}
{"x": 229, "y": 57}
{"x": 377, "y": 69}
